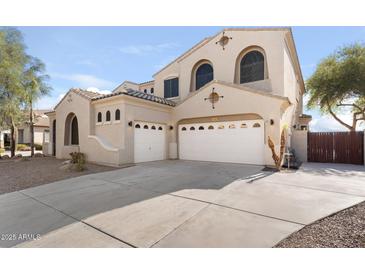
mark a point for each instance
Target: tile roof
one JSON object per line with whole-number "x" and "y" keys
{"x": 138, "y": 94}
{"x": 86, "y": 93}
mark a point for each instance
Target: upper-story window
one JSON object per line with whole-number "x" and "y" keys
{"x": 145, "y": 90}
{"x": 252, "y": 67}
{"x": 152, "y": 90}
{"x": 117, "y": 115}
{"x": 100, "y": 117}
{"x": 108, "y": 116}
{"x": 203, "y": 75}
{"x": 171, "y": 88}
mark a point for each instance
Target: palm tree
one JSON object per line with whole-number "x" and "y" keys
{"x": 35, "y": 86}
{"x": 12, "y": 61}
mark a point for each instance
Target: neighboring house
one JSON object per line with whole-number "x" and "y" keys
{"x": 41, "y": 127}
{"x": 219, "y": 101}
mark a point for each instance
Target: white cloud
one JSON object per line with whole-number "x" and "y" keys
{"x": 85, "y": 80}
{"x": 94, "y": 89}
{"x": 145, "y": 49}
{"x": 327, "y": 123}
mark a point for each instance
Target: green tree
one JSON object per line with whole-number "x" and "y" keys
{"x": 35, "y": 86}
{"x": 12, "y": 61}
{"x": 338, "y": 85}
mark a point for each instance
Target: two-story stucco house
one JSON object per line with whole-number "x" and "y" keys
{"x": 219, "y": 101}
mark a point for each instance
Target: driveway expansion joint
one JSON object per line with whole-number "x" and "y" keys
{"x": 78, "y": 220}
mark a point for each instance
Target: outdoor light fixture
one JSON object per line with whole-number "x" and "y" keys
{"x": 271, "y": 122}
{"x": 130, "y": 123}
{"x": 171, "y": 127}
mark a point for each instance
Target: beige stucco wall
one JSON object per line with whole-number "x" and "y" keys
{"x": 235, "y": 101}
{"x": 73, "y": 103}
{"x": 224, "y": 61}
{"x": 146, "y": 112}
{"x": 38, "y": 134}
{"x": 146, "y": 86}
{"x": 113, "y": 142}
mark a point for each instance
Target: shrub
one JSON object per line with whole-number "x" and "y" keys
{"x": 37, "y": 146}
{"x": 2, "y": 150}
{"x": 78, "y": 159}
{"x": 22, "y": 147}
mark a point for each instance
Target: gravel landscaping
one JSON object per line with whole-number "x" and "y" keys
{"x": 17, "y": 174}
{"x": 343, "y": 229}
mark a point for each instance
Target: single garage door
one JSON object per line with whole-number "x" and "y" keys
{"x": 232, "y": 142}
{"x": 149, "y": 142}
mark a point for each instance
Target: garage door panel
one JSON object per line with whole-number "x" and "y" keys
{"x": 227, "y": 142}
{"x": 149, "y": 143}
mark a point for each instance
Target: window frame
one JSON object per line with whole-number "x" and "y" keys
{"x": 100, "y": 115}
{"x": 168, "y": 83}
{"x": 117, "y": 115}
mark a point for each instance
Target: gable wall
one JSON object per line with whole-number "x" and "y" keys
{"x": 81, "y": 107}
{"x": 224, "y": 61}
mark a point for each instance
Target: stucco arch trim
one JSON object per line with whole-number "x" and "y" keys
{"x": 193, "y": 72}
{"x": 242, "y": 54}
{"x": 221, "y": 118}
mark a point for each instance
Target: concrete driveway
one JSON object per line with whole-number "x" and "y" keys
{"x": 178, "y": 204}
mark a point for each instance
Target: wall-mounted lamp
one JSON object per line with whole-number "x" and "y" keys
{"x": 271, "y": 122}
{"x": 171, "y": 127}
{"x": 130, "y": 123}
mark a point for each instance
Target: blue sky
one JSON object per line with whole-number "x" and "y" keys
{"x": 103, "y": 57}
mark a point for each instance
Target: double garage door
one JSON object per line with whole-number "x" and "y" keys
{"x": 232, "y": 142}
{"x": 149, "y": 142}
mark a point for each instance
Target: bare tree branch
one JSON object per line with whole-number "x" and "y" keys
{"x": 338, "y": 119}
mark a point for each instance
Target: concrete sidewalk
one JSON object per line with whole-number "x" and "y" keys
{"x": 178, "y": 204}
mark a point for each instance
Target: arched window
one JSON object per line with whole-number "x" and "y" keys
{"x": 159, "y": 128}
{"x": 252, "y": 67}
{"x": 152, "y": 90}
{"x": 183, "y": 129}
{"x": 74, "y": 131}
{"x": 117, "y": 115}
{"x": 192, "y": 128}
{"x": 100, "y": 117}
{"x": 108, "y": 116}
{"x": 256, "y": 125}
{"x": 210, "y": 127}
{"x": 145, "y": 127}
{"x": 232, "y": 126}
{"x": 203, "y": 75}
{"x": 201, "y": 128}
{"x": 153, "y": 127}
{"x": 137, "y": 126}
{"x": 243, "y": 125}
{"x": 145, "y": 91}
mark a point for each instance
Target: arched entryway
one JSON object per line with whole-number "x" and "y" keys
{"x": 71, "y": 130}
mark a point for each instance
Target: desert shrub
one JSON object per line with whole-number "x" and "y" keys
{"x": 78, "y": 159}
{"x": 22, "y": 147}
{"x": 37, "y": 146}
{"x": 5, "y": 157}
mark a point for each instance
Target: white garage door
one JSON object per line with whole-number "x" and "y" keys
{"x": 232, "y": 142}
{"x": 149, "y": 142}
